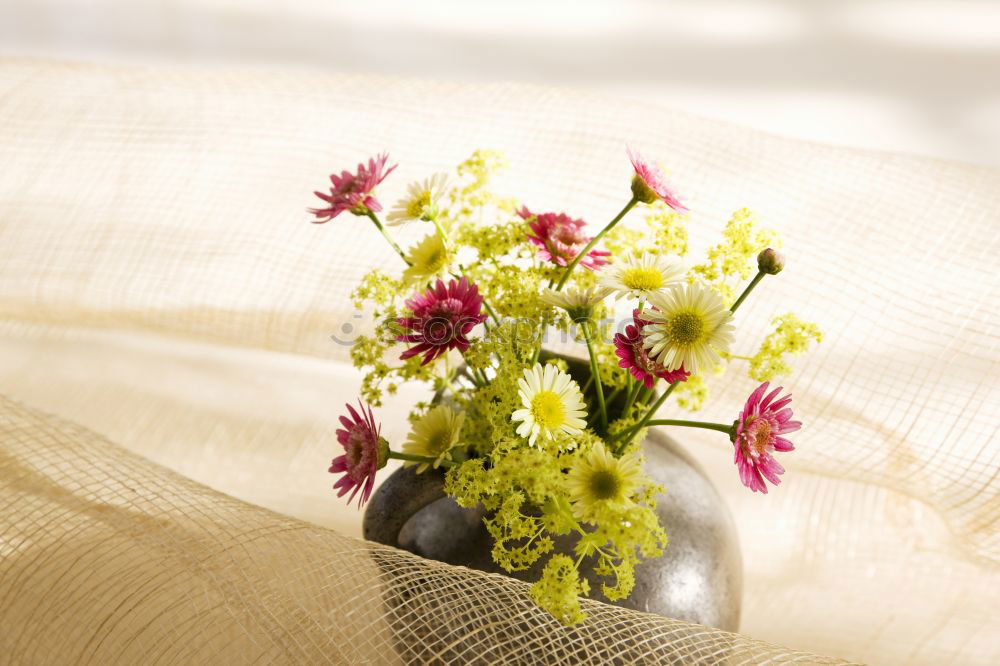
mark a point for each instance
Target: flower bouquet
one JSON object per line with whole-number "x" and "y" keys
{"x": 545, "y": 445}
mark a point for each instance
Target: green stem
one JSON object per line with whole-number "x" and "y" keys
{"x": 409, "y": 457}
{"x": 630, "y": 433}
{"x": 538, "y": 351}
{"x": 595, "y": 373}
{"x": 444, "y": 238}
{"x": 721, "y": 427}
{"x": 385, "y": 234}
{"x": 449, "y": 379}
{"x": 614, "y": 394}
{"x": 593, "y": 242}
{"x": 746, "y": 292}
{"x": 473, "y": 376}
{"x": 631, "y": 396}
{"x": 490, "y": 312}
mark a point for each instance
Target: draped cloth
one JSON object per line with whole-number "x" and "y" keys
{"x": 174, "y": 352}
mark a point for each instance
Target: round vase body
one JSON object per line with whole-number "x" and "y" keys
{"x": 697, "y": 579}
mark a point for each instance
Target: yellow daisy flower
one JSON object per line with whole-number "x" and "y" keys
{"x": 428, "y": 259}
{"x": 689, "y": 326}
{"x": 597, "y": 481}
{"x": 434, "y": 435}
{"x": 641, "y": 275}
{"x": 553, "y": 404}
{"x": 421, "y": 201}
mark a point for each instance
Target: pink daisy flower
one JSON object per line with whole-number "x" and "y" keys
{"x": 353, "y": 191}
{"x": 649, "y": 183}
{"x": 560, "y": 238}
{"x": 442, "y": 318}
{"x": 636, "y": 359}
{"x": 759, "y": 433}
{"x": 365, "y": 452}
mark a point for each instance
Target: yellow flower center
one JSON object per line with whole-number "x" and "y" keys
{"x": 686, "y": 328}
{"x": 758, "y": 434}
{"x": 605, "y": 484}
{"x": 434, "y": 261}
{"x": 427, "y": 259}
{"x": 643, "y": 279}
{"x": 439, "y": 441}
{"x": 418, "y": 205}
{"x": 547, "y": 410}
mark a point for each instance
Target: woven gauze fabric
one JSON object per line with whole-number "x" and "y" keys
{"x": 113, "y": 559}
{"x": 174, "y": 345}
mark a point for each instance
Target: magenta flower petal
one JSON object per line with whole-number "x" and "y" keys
{"x": 649, "y": 183}
{"x": 560, "y": 239}
{"x": 443, "y": 316}
{"x": 758, "y": 431}
{"x": 353, "y": 191}
{"x": 636, "y": 359}
{"x": 365, "y": 452}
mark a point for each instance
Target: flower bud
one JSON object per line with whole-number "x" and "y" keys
{"x": 770, "y": 261}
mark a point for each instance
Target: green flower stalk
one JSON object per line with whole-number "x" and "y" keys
{"x": 424, "y": 461}
{"x": 627, "y": 435}
{"x": 598, "y": 385}
{"x": 385, "y": 234}
{"x": 593, "y": 241}
{"x": 746, "y": 292}
{"x": 769, "y": 262}
{"x": 720, "y": 427}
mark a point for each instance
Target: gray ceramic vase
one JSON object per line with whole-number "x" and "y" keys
{"x": 698, "y": 578}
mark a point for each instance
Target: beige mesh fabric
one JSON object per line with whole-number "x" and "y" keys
{"x": 109, "y": 558}
{"x": 162, "y": 291}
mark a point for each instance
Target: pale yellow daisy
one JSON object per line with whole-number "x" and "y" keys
{"x": 579, "y": 303}
{"x": 597, "y": 480}
{"x": 434, "y": 435}
{"x": 641, "y": 275}
{"x": 553, "y": 404}
{"x": 689, "y": 326}
{"x": 428, "y": 259}
{"x": 421, "y": 201}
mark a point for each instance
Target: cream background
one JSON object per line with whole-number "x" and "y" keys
{"x": 161, "y": 285}
{"x": 913, "y": 76}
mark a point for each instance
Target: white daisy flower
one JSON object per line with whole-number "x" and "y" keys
{"x": 428, "y": 259}
{"x": 420, "y": 202}
{"x": 434, "y": 435}
{"x": 641, "y": 275}
{"x": 579, "y": 303}
{"x": 553, "y": 404}
{"x": 689, "y": 326}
